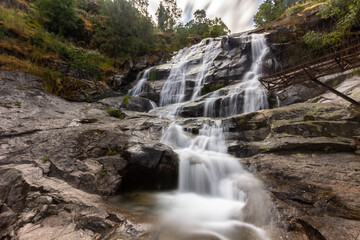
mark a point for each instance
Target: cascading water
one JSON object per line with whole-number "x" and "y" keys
{"x": 212, "y": 50}
{"x": 215, "y": 194}
{"x": 141, "y": 80}
{"x": 173, "y": 91}
{"x": 248, "y": 95}
{"x": 216, "y": 197}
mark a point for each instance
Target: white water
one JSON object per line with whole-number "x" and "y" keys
{"x": 173, "y": 91}
{"x": 216, "y": 197}
{"x": 139, "y": 87}
{"x": 212, "y": 50}
{"x": 249, "y": 95}
{"x": 215, "y": 194}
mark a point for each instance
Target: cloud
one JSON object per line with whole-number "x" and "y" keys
{"x": 237, "y": 14}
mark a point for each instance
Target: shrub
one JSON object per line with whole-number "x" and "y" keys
{"x": 117, "y": 113}
{"x": 60, "y": 17}
{"x": 50, "y": 80}
{"x": 126, "y": 100}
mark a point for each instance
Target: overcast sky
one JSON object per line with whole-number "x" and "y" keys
{"x": 237, "y": 14}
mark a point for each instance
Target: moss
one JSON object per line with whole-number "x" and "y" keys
{"x": 117, "y": 113}
{"x": 327, "y": 149}
{"x": 334, "y": 83}
{"x": 111, "y": 152}
{"x": 211, "y": 88}
{"x": 103, "y": 174}
{"x": 300, "y": 155}
{"x": 195, "y": 130}
{"x": 265, "y": 148}
{"x": 153, "y": 76}
{"x": 309, "y": 118}
{"x": 45, "y": 159}
{"x": 356, "y": 71}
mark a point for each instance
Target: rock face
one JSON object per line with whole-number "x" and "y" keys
{"x": 81, "y": 90}
{"x": 304, "y": 153}
{"x": 58, "y": 158}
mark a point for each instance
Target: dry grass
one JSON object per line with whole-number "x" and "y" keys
{"x": 8, "y": 62}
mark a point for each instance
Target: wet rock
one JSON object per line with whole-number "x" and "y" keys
{"x": 138, "y": 104}
{"x": 150, "y": 167}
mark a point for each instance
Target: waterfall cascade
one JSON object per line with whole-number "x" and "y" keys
{"x": 141, "y": 80}
{"x": 173, "y": 91}
{"x": 216, "y": 197}
{"x": 248, "y": 95}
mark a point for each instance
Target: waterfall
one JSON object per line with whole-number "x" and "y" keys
{"x": 248, "y": 95}
{"x": 174, "y": 89}
{"x": 215, "y": 193}
{"x": 139, "y": 87}
{"x": 211, "y": 52}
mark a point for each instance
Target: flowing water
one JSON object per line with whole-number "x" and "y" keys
{"x": 216, "y": 197}
{"x": 174, "y": 89}
{"x": 141, "y": 80}
{"x": 248, "y": 95}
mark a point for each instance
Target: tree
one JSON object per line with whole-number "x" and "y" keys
{"x": 125, "y": 31}
{"x": 142, "y": 6}
{"x": 59, "y": 16}
{"x": 200, "y": 16}
{"x": 168, "y": 15}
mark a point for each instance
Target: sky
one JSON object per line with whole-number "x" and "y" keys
{"x": 237, "y": 14}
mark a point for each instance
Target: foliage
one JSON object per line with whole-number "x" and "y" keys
{"x": 45, "y": 158}
{"x": 60, "y": 17}
{"x": 117, "y": 113}
{"x": 270, "y": 10}
{"x": 126, "y": 100}
{"x": 345, "y": 14}
{"x": 50, "y": 80}
{"x": 124, "y": 31}
{"x": 168, "y": 15}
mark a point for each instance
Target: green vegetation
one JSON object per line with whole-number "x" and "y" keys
{"x": 103, "y": 174}
{"x": 46, "y": 159}
{"x": 111, "y": 152}
{"x": 357, "y": 71}
{"x": 153, "y": 76}
{"x": 345, "y": 16}
{"x": 270, "y": 10}
{"x": 126, "y": 100}
{"x": 117, "y": 113}
{"x": 211, "y": 88}
{"x": 55, "y": 39}
{"x": 60, "y": 17}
